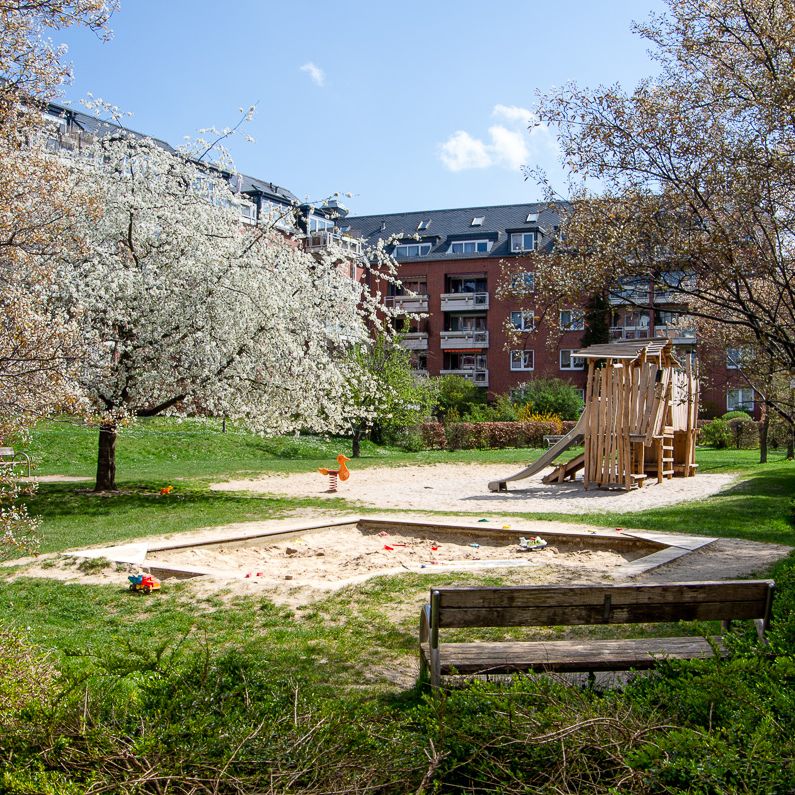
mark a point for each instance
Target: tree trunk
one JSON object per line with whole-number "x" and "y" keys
{"x": 356, "y": 444}
{"x": 764, "y": 423}
{"x": 106, "y": 459}
{"x": 791, "y": 443}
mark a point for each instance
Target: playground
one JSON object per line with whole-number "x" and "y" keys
{"x": 461, "y": 488}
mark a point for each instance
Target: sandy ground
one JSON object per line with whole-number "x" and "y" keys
{"x": 463, "y": 488}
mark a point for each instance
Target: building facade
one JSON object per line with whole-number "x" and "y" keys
{"x": 454, "y": 265}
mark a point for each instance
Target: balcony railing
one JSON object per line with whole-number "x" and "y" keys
{"x": 630, "y": 296}
{"x": 456, "y": 340}
{"x": 478, "y": 377}
{"x": 415, "y": 341}
{"x": 326, "y": 241}
{"x": 461, "y": 302}
{"x": 630, "y": 332}
{"x": 408, "y": 303}
{"x": 677, "y": 335}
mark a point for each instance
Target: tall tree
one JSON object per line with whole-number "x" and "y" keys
{"x": 184, "y": 309}
{"x": 698, "y": 169}
{"x": 36, "y": 338}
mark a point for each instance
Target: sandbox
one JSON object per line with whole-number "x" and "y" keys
{"x": 327, "y": 555}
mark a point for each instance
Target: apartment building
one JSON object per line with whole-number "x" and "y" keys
{"x": 451, "y": 265}
{"x": 451, "y": 268}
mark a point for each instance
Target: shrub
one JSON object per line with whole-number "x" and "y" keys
{"x": 736, "y": 415}
{"x": 433, "y": 436}
{"x": 549, "y": 396}
{"x": 485, "y": 435}
{"x": 457, "y": 394}
{"x": 716, "y": 433}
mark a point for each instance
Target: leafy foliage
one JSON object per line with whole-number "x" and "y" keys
{"x": 549, "y": 396}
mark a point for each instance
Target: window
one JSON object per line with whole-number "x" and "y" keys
{"x": 531, "y": 218}
{"x": 470, "y": 247}
{"x": 466, "y": 284}
{"x": 523, "y": 282}
{"x": 317, "y": 224}
{"x": 248, "y": 212}
{"x": 466, "y": 322}
{"x": 570, "y": 362}
{"x": 522, "y": 360}
{"x": 740, "y": 399}
{"x": 572, "y": 320}
{"x": 478, "y": 220}
{"x": 735, "y": 358}
{"x": 413, "y": 250}
{"x": 523, "y": 241}
{"x": 422, "y": 225}
{"x": 523, "y": 321}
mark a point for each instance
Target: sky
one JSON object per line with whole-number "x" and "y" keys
{"x": 406, "y": 106}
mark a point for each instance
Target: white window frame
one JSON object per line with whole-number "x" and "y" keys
{"x": 576, "y": 322}
{"x": 523, "y": 317}
{"x": 572, "y": 359}
{"x": 318, "y": 224}
{"x": 481, "y": 246}
{"x": 734, "y": 358}
{"x": 519, "y": 360}
{"x": 735, "y": 399}
{"x": 402, "y": 250}
{"x": 519, "y": 244}
{"x": 524, "y": 282}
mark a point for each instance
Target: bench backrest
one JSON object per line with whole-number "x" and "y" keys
{"x": 542, "y": 605}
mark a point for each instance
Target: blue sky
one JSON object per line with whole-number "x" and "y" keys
{"x": 409, "y": 106}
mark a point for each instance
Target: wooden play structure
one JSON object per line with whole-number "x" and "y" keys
{"x": 639, "y": 421}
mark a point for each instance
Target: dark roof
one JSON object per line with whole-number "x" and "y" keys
{"x": 87, "y": 123}
{"x": 446, "y": 226}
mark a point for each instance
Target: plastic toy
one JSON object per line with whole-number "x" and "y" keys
{"x": 143, "y": 583}
{"x": 343, "y": 473}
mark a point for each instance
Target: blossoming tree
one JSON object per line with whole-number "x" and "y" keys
{"x": 184, "y": 309}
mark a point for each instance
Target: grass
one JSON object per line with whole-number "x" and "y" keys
{"x": 183, "y": 682}
{"x": 193, "y": 453}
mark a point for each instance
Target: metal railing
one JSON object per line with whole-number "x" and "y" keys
{"x": 464, "y": 339}
{"x": 408, "y": 303}
{"x": 324, "y": 241}
{"x": 457, "y": 302}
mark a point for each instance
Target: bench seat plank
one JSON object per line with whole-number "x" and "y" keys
{"x": 567, "y": 655}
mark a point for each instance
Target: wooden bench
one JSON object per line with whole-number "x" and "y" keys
{"x": 541, "y": 605}
{"x": 10, "y": 458}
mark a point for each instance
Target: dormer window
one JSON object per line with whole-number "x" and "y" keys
{"x": 318, "y": 224}
{"x": 412, "y": 250}
{"x": 470, "y": 247}
{"x": 478, "y": 220}
{"x": 523, "y": 241}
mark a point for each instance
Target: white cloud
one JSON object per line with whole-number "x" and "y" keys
{"x": 316, "y": 74}
{"x": 461, "y": 152}
{"x": 510, "y": 144}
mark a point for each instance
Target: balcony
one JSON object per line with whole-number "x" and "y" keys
{"x": 459, "y": 340}
{"x": 630, "y": 332}
{"x": 415, "y": 341}
{"x": 462, "y": 302}
{"x": 677, "y": 335}
{"x": 408, "y": 303}
{"x": 333, "y": 242}
{"x": 478, "y": 377}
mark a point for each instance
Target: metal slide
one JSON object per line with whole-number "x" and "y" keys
{"x": 573, "y": 437}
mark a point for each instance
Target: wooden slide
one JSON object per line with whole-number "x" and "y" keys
{"x": 573, "y": 437}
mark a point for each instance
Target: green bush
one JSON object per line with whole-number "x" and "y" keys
{"x": 549, "y": 396}
{"x": 716, "y": 433}
{"x": 457, "y": 395}
{"x": 736, "y": 415}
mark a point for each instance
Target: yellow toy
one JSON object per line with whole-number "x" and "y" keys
{"x": 343, "y": 473}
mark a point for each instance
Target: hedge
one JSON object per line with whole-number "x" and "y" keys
{"x": 487, "y": 435}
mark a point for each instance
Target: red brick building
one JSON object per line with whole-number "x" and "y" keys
{"x": 453, "y": 262}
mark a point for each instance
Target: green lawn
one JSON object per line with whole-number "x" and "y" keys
{"x": 319, "y": 698}
{"x": 193, "y": 453}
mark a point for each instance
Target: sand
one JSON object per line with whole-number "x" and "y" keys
{"x": 463, "y": 488}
